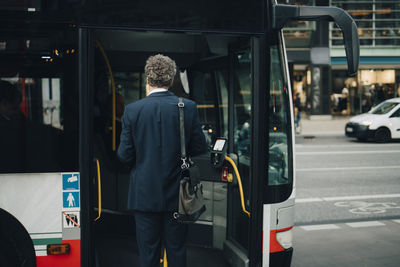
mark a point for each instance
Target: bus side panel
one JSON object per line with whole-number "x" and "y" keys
{"x": 70, "y": 260}
{"x": 277, "y": 218}
{"x": 48, "y": 206}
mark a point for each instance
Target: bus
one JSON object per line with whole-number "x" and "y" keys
{"x": 74, "y": 65}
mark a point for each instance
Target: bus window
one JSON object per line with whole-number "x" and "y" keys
{"x": 223, "y": 103}
{"x": 205, "y": 94}
{"x": 242, "y": 134}
{"x": 279, "y": 122}
{"x": 42, "y": 135}
{"x": 243, "y": 106}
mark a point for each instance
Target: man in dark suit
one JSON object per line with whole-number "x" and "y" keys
{"x": 150, "y": 143}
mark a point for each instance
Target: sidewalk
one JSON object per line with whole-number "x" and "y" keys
{"x": 323, "y": 125}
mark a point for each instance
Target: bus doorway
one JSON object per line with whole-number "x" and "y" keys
{"x": 215, "y": 74}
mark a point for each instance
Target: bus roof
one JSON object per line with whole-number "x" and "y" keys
{"x": 242, "y": 16}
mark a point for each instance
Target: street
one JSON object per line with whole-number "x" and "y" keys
{"x": 347, "y": 202}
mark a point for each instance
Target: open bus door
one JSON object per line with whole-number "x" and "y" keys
{"x": 115, "y": 61}
{"x": 223, "y": 89}
{"x": 239, "y": 239}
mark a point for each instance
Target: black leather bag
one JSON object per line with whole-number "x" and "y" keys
{"x": 191, "y": 200}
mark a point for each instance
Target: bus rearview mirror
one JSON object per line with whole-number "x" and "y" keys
{"x": 281, "y": 14}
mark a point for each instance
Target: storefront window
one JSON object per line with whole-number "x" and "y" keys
{"x": 360, "y": 94}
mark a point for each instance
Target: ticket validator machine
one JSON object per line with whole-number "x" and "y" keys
{"x": 212, "y": 163}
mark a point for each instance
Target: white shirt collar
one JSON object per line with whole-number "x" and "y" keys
{"x": 157, "y": 90}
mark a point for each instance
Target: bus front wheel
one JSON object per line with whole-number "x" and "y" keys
{"x": 16, "y": 247}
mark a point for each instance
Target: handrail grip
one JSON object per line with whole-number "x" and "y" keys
{"x": 239, "y": 183}
{"x": 99, "y": 189}
{"x": 114, "y": 143}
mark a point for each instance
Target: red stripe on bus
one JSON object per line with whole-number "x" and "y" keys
{"x": 73, "y": 259}
{"x": 274, "y": 245}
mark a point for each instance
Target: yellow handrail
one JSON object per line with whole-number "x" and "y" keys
{"x": 98, "y": 44}
{"x": 239, "y": 183}
{"x": 98, "y": 188}
{"x": 165, "y": 263}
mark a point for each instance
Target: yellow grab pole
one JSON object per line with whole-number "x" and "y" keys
{"x": 98, "y": 188}
{"x": 239, "y": 183}
{"x": 113, "y": 93}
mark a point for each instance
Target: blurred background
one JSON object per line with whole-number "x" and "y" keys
{"x": 318, "y": 65}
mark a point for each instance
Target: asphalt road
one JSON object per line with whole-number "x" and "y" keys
{"x": 347, "y": 203}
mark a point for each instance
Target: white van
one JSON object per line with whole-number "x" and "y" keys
{"x": 381, "y": 123}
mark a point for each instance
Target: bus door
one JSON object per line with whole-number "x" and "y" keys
{"x": 223, "y": 90}
{"x": 236, "y": 246}
{"x": 222, "y": 84}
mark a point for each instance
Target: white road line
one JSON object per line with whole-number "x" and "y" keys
{"x": 320, "y": 199}
{"x": 347, "y": 145}
{"x": 365, "y": 224}
{"x": 348, "y": 168}
{"x": 320, "y": 227}
{"x": 309, "y": 200}
{"x": 361, "y": 197}
{"x": 397, "y": 221}
{"x": 311, "y": 153}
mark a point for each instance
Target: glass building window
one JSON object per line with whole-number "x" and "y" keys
{"x": 378, "y": 22}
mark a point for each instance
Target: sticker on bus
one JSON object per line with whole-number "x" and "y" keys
{"x": 70, "y": 181}
{"x": 70, "y": 200}
{"x": 71, "y": 219}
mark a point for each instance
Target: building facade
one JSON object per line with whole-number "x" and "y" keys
{"x": 320, "y": 75}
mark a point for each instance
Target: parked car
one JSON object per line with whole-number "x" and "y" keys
{"x": 381, "y": 123}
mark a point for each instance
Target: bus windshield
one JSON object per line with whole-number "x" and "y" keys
{"x": 384, "y": 108}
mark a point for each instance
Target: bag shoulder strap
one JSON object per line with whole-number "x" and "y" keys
{"x": 181, "y": 105}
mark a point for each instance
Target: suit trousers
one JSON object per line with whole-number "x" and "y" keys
{"x": 152, "y": 228}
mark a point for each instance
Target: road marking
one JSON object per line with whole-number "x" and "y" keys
{"x": 346, "y": 152}
{"x": 348, "y": 145}
{"x": 361, "y": 197}
{"x": 320, "y": 227}
{"x": 316, "y": 199}
{"x": 397, "y": 221}
{"x": 365, "y": 224}
{"x": 348, "y": 168}
{"x": 309, "y": 200}
{"x": 362, "y": 207}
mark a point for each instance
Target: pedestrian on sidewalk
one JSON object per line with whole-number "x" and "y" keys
{"x": 297, "y": 112}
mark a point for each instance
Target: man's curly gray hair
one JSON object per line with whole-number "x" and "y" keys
{"x": 160, "y": 71}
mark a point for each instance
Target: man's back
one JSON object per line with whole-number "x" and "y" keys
{"x": 150, "y": 142}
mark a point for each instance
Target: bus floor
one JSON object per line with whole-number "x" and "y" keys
{"x": 115, "y": 246}
{"x": 114, "y": 251}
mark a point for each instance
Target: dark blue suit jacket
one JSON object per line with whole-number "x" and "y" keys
{"x": 150, "y": 143}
